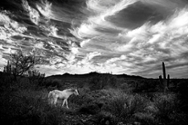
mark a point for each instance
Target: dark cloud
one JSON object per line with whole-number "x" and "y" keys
{"x": 135, "y": 15}
{"x": 184, "y": 55}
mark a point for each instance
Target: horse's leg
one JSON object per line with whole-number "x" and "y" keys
{"x": 63, "y": 102}
{"x": 55, "y": 100}
{"x": 67, "y": 104}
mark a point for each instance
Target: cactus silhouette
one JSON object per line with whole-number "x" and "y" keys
{"x": 164, "y": 81}
{"x": 7, "y": 68}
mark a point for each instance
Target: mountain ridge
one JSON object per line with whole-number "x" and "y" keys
{"x": 91, "y": 74}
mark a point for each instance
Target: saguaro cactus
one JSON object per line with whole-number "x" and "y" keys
{"x": 164, "y": 81}
{"x": 7, "y": 68}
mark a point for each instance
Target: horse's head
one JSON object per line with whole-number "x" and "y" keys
{"x": 76, "y": 92}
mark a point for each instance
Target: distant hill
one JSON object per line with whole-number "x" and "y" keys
{"x": 83, "y": 77}
{"x": 92, "y": 74}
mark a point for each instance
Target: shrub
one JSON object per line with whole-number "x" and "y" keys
{"x": 84, "y": 97}
{"x": 5, "y": 81}
{"x": 124, "y": 106}
{"x": 103, "y": 81}
{"x": 126, "y": 88}
{"x": 35, "y": 77}
{"x": 168, "y": 110}
{"x": 52, "y": 84}
{"x": 145, "y": 85}
{"x": 105, "y": 118}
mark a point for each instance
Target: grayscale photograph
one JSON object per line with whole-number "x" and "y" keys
{"x": 94, "y": 62}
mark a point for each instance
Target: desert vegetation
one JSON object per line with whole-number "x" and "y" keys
{"x": 104, "y": 99}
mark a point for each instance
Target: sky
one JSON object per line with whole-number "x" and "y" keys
{"x": 129, "y": 37}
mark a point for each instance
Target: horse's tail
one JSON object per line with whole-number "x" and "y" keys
{"x": 49, "y": 94}
{"x": 50, "y": 97}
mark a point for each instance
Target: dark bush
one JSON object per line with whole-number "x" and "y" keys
{"x": 124, "y": 107}
{"x": 35, "y": 77}
{"x": 103, "y": 81}
{"x": 52, "y": 84}
{"x": 169, "y": 110}
{"x": 91, "y": 108}
{"x": 105, "y": 118}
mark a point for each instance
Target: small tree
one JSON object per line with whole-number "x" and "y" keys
{"x": 19, "y": 64}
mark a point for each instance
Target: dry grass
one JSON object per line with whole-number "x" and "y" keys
{"x": 26, "y": 103}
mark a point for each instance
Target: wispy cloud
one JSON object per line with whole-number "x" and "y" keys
{"x": 122, "y": 36}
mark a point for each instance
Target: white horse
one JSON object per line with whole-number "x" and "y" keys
{"x": 54, "y": 95}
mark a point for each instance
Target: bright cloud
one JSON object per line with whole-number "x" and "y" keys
{"x": 122, "y": 36}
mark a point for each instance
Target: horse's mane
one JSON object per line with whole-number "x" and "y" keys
{"x": 71, "y": 89}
